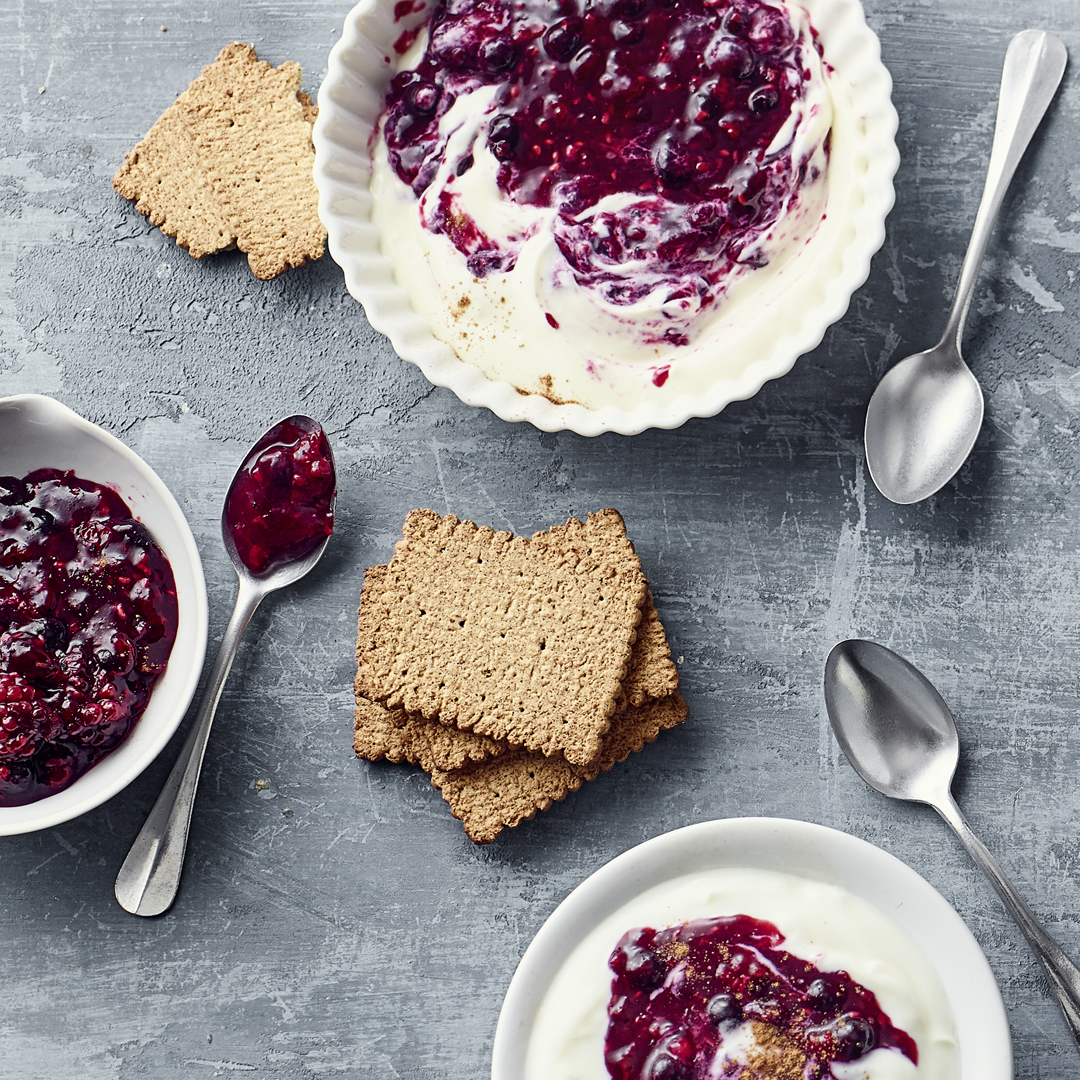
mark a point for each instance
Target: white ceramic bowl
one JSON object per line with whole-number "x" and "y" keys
{"x": 792, "y": 847}
{"x": 37, "y": 432}
{"x": 803, "y": 302}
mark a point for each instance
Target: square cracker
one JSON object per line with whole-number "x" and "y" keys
{"x": 525, "y": 640}
{"x": 501, "y": 792}
{"x": 230, "y": 164}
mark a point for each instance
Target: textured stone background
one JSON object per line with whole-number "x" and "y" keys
{"x": 336, "y": 922}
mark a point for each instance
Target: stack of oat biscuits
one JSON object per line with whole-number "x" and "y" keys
{"x": 510, "y": 669}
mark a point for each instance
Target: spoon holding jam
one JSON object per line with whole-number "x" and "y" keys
{"x": 278, "y": 517}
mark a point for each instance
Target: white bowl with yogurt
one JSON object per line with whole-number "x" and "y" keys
{"x": 766, "y": 321}
{"x": 841, "y": 902}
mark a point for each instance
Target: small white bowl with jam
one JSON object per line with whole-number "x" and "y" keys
{"x": 103, "y": 615}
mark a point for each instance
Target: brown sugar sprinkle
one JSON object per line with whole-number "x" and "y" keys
{"x": 774, "y": 1055}
{"x": 674, "y": 951}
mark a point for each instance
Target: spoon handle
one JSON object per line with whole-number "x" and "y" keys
{"x": 1063, "y": 974}
{"x": 150, "y": 876}
{"x": 1034, "y": 65}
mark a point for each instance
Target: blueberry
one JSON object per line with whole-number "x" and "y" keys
{"x": 464, "y": 165}
{"x": 640, "y": 967}
{"x": 503, "y": 136}
{"x": 628, "y": 10}
{"x": 731, "y": 58}
{"x": 822, "y": 996}
{"x": 848, "y": 1036}
{"x": 662, "y": 1067}
{"x": 497, "y": 54}
{"x": 723, "y": 1007}
{"x": 763, "y": 99}
{"x": 672, "y": 163}
{"x": 587, "y": 63}
{"x": 422, "y": 98}
{"x": 671, "y": 1059}
{"x": 562, "y": 39}
{"x": 737, "y": 22}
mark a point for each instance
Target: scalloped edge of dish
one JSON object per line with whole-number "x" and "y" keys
{"x": 349, "y": 107}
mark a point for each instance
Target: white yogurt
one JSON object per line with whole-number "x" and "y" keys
{"x": 598, "y": 353}
{"x": 823, "y": 924}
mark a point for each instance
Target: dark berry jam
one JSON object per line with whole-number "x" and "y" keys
{"x": 88, "y": 617}
{"x": 280, "y": 507}
{"x": 677, "y": 106}
{"x": 679, "y": 995}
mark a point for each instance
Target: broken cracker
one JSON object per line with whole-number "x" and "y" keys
{"x": 230, "y": 164}
{"x": 526, "y": 640}
{"x": 503, "y": 791}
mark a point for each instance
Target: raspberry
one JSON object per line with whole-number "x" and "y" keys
{"x": 25, "y": 720}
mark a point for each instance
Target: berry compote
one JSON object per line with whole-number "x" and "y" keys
{"x": 663, "y": 136}
{"x": 88, "y": 617}
{"x": 719, "y": 998}
{"x": 280, "y": 507}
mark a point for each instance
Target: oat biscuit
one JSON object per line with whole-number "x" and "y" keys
{"x": 525, "y": 640}
{"x": 230, "y": 164}
{"x": 163, "y": 176}
{"x": 393, "y": 735}
{"x": 501, "y": 792}
{"x": 652, "y": 673}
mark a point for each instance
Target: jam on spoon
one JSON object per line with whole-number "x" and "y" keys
{"x": 719, "y": 997}
{"x": 280, "y": 506}
{"x": 278, "y": 517}
{"x": 88, "y": 617}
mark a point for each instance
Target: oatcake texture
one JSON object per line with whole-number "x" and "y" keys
{"x": 525, "y": 640}
{"x": 652, "y": 673}
{"x": 395, "y": 735}
{"x": 501, "y": 792}
{"x": 230, "y": 164}
{"x": 489, "y": 783}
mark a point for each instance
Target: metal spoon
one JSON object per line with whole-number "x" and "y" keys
{"x": 901, "y": 739}
{"x": 926, "y": 412}
{"x": 148, "y": 880}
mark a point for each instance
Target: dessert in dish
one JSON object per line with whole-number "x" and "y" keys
{"x": 228, "y": 164}
{"x": 753, "y": 973}
{"x": 573, "y": 196}
{"x": 511, "y": 670}
{"x": 88, "y": 617}
{"x": 280, "y": 507}
{"x": 721, "y": 997}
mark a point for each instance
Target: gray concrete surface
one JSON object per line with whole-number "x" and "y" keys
{"x": 335, "y": 921}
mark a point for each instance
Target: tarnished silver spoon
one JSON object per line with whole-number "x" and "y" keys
{"x": 901, "y": 739}
{"x": 275, "y": 526}
{"x": 926, "y": 412}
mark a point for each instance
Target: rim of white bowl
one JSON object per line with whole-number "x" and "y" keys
{"x": 796, "y": 847}
{"x": 146, "y": 740}
{"x": 349, "y": 105}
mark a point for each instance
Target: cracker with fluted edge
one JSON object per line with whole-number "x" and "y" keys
{"x": 501, "y": 792}
{"x": 524, "y": 640}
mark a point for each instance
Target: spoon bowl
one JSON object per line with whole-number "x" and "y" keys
{"x": 891, "y": 723}
{"x": 921, "y": 423}
{"x": 900, "y": 737}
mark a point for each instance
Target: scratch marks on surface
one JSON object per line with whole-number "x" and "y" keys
{"x": 1043, "y": 229}
{"x": 843, "y": 591}
{"x": 1029, "y": 283}
{"x": 442, "y": 479}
